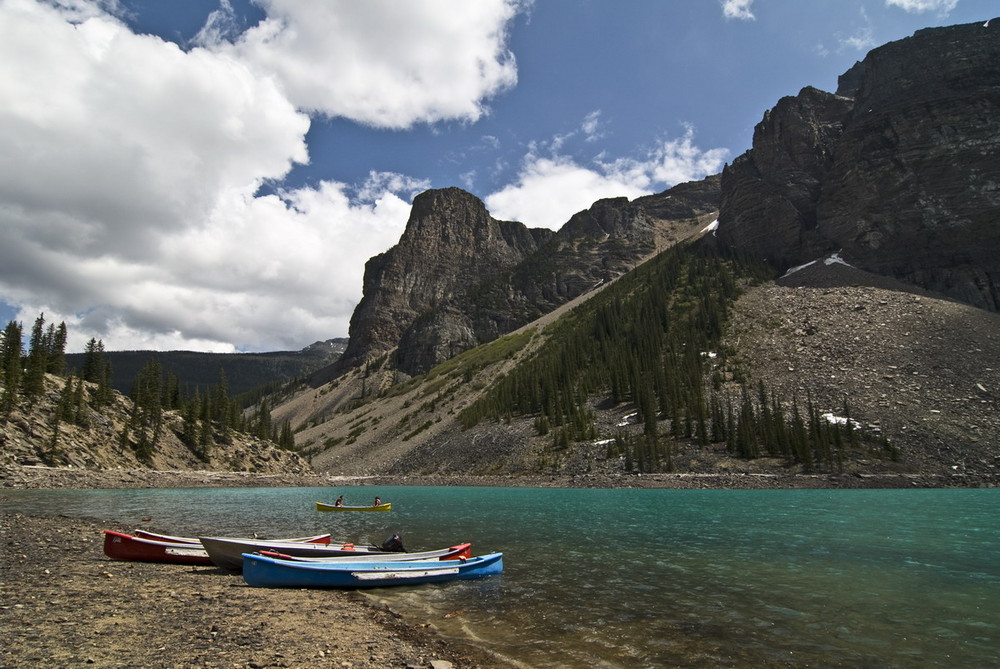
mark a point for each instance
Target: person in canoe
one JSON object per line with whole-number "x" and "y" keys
{"x": 340, "y": 501}
{"x": 378, "y": 501}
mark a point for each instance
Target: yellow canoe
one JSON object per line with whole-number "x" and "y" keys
{"x": 386, "y": 506}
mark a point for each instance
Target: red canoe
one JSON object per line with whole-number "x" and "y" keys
{"x": 120, "y": 546}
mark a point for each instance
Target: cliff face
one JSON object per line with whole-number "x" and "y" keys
{"x": 898, "y": 170}
{"x": 770, "y": 194}
{"x": 459, "y": 277}
{"x": 449, "y": 244}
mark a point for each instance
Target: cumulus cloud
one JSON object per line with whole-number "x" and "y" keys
{"x": 550, "y": 187}
{"x": 737, "y": 9}
{"x": 383, "y": 63}
{"x": 266, "y": 272}
{"x": 942, "y": 7}
{"x": 130, "y": 202}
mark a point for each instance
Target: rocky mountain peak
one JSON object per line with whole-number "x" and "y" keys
{"x": 459, "y": 277}
{"x": 449, "y": 220}
{"x": 897, "y": 170}
{"x": 450, "y": 242}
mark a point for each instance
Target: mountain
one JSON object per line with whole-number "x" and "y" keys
{"x": 459, "y": 278}
{"x": 198, "y": 370}
{"x": 897, "y": 171}
{"x": 875, "y": 353}
{"x": 840, "y": 322}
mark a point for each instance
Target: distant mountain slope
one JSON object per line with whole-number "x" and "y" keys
{"x": 243, "y": 371}
{"x": 98, "y": 436}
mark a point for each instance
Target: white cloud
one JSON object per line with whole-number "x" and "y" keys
{"x": 550, "y": 189}
{"x": 266, "y": 272}
{"x": 591, "y": 126}
{"x": 128, "y": 188}
{"x": 942, "y": 7}
{"x": 381, "y": 62}
{"x": 863, "y": 38}
{"x": 737, "y": 9}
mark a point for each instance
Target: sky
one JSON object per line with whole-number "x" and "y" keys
{"x": 212, "y": 175}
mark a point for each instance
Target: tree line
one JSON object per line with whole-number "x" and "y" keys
{"x": 208, "y": 417}
{"x": 652, "y": 340}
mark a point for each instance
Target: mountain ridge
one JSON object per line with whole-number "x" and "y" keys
{"x": 775, "y": 203}
{"x": 882, "y": 194}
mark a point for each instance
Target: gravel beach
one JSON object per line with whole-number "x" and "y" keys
{"x": 64, "y": 603}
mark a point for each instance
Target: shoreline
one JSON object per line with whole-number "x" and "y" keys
{"x": 41, "y": 477}
{"x": 63, "y": 602}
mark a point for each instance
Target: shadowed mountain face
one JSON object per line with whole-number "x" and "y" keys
{"x": 459, "y": 278}
{"x": 896, "y": 173}
{"x": 450, "y": 243}
{"x": 899, "y": 170}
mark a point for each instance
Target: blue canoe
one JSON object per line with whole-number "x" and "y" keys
{"x": 268, "y": 572}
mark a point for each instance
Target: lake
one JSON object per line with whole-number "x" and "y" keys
{"x": 652, "y": 578}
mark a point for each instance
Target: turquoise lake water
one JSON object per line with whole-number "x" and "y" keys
{"x": 654, "y": 578}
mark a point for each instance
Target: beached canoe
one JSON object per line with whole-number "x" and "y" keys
{"x": 178, "y": 550}
{"x": 461, "y": 551}
{"x": 385, "y": 506}
{"x": 145, "y": 534}
{"x": 120, "y": 546}
{"x": 315, "y": 539}
{"x": 269, "y": 572}
{"x": 228, "y": 553}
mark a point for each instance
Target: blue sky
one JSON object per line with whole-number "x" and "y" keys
{"x": 213, "y": 174}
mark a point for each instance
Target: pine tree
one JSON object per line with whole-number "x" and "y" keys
{"x": 11, "y": 367}
{"x": 263, "y": 427}
{"x": 286, "y": 440}
{"x": 190, "y": 431}
{"x": 56, "y": 340}
{"x": 93, "y": 361}
{"x": 34, "y": 376}
{"x": 147, "y": 412}
{"x": 65, "y": 409}
{"x": 222, "y": 405}
{"x": 79, "y": 405}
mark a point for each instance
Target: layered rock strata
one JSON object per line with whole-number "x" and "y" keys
{"x": 899, "y": 169}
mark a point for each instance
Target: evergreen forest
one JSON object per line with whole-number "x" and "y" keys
{"x": 209, "y": 416}
{"x": 651, "y": 342}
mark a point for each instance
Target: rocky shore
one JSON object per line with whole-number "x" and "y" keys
{"x": 63, "y": 602}
{"x": 13, "y": 476}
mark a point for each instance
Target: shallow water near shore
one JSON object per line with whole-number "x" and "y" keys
{"x": 651, "y": 578}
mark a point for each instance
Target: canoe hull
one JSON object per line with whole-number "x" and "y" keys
{"x": 266, "y": 572}
{"x": 186, "y": 550}
{"x": 458, "y": 552}
{"x": 228, "y": 553}
{"x": 119, "y": 546}
{"x": 145, "y": 534}
{"x": 320, "y": 506}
